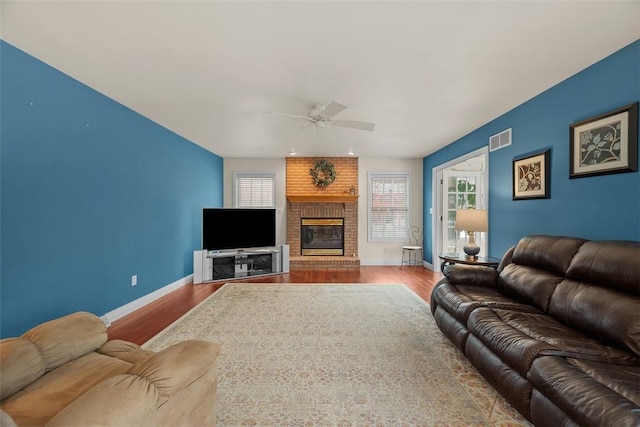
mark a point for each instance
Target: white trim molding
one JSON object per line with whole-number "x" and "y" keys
{"x": 436, "y": 200}
{"x": 134, "y": 305}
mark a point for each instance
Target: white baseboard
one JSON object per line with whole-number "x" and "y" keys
{"x": 425, "y": 264}
{"x": 129, "y": 308}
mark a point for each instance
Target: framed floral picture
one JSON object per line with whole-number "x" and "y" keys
{"x": 531, "y": 179}
{"x": 605, "y": 144}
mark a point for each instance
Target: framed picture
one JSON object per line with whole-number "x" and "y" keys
{"x": 531, "y": 177}
{"x": 605, "y": 144}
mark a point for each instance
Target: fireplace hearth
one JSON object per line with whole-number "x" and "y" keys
{"x": 322, "y": 236}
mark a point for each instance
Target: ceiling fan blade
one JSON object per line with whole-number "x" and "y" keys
{"x": 333, "y": 109}
{"x": 295, "y": 116}
{"x": 354, "y": 124}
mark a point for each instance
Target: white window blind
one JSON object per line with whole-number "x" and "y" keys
{"x": 254, "y": 190}
{"x": 388, "y": 206}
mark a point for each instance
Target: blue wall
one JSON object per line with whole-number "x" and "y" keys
{"x": 92, "y": 193}
{"x": 600, "y": 207}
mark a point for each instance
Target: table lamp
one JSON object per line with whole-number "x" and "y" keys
{"x": 471, "y": 220}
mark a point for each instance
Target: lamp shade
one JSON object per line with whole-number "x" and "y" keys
{"x": 471, "y": 220}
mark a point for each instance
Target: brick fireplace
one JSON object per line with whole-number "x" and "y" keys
{"x": 336, "y": 201}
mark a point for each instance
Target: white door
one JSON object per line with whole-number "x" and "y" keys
{"x": 460, "y": 190}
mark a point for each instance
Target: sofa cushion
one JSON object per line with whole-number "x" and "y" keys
{"x": 529, "y": 285}
{"x": 20, "y": 364}
{"x": 624, "y": 380}
{"x": 608, "y": 315}
{"x": 67, "y": 338}
{"x": 591, "y": 393}
{"x": 600, "y": 297}
{"x": 507, "y": 381}
{"x": 122, "y": 400}
{"x": 456, "y": 331}
{"x": 518, "y": 338}
{"x": 514, "y": 347}
{"x": 41, "y": 400}
{"x": 459, "y": 300}
{"x": 544, "y": 412}
{"x": 612, "y": 264}
{"x": 550, "y": 253}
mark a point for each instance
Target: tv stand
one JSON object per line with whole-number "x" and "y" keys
{"x": 219, "y": 265}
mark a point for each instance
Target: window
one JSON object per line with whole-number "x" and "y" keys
{"x": 388, "y": 206}
{"x": 254, "y": 190}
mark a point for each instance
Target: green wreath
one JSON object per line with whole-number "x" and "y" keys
{"x": 323, "y": 173}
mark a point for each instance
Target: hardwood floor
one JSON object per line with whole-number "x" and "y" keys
{"x": 141, "y": 325}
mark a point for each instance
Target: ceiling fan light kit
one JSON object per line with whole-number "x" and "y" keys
{"x": 321, "y": 116}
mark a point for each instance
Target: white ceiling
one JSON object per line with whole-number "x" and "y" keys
{"x": 427, "y": 73}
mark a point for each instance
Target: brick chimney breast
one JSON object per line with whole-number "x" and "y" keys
{"x": 337, "y": 200}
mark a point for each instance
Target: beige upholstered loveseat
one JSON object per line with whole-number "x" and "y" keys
{"x": 65, "y": 373}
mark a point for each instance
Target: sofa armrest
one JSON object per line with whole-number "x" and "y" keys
{"x": 175, "y": 367}
{"x": 462, "y": 274}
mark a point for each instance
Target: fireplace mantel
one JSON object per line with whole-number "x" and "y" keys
{"x": 323, "y": 198}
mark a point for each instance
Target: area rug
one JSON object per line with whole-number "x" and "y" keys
{"x": 335, "y": 355}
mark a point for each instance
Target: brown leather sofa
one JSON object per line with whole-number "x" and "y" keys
{"x": 555, "y": 329}
{"x": 65, "y": 373}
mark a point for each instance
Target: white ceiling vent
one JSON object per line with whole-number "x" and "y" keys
{"x": 500, "y": 140}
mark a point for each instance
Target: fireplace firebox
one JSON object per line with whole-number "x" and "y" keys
{"x": 322, "y": 236}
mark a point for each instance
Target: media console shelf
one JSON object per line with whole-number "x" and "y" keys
{"x": 218, "y": 265}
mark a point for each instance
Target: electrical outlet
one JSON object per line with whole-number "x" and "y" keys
{"x": 134, "y": 280}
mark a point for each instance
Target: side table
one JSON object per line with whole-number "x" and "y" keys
{"x": 448, "y": 259}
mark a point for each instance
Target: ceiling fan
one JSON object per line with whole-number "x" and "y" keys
{"x": 321, "y": 116}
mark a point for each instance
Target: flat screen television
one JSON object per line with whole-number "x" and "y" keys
{"x": 238, "y": 228}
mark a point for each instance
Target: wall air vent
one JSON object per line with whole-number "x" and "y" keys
{"x": 500, "y": 140}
